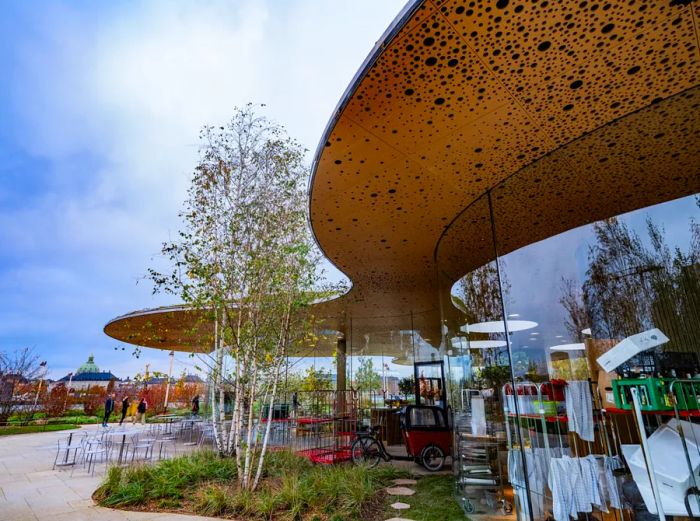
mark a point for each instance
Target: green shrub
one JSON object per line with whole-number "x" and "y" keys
{"x": 202, "y": 482}
{"x": 74, "y": 420}
{"x": 74, "y": 412}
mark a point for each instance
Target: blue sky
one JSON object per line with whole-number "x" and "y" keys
{"x": 100, "y": 106}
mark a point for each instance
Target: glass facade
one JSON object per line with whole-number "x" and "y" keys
{"x": 525, "y": 327}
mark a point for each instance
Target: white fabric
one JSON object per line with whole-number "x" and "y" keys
{"x": 562, "y": 483}
{"x": 614, "y": 493}
{"x": 516, "y": 476}
{"x": 579, "y": 409}
{"x": 579, "y": 484}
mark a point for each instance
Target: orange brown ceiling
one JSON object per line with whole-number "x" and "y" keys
{"x": 461, "y": 95}
{"x": 568, "y": 112}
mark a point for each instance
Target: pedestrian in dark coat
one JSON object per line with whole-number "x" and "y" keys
{"x": 109, "y": 407}
{"x": 125, "y": 408}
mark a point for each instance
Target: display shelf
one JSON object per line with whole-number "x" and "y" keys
{"x": 692, "y": 413}
{"x": 549, "y": 419}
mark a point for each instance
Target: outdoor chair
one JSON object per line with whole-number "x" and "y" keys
{"x": 144, "y": 444}
{"x": 166, "y": 443}
{"x": 92, "y": 452}
{"x": 118, "y": 449}
{"x": 207, "y": 436}
{"x": 194, "y": 430}
{"x": 65, "y": 448}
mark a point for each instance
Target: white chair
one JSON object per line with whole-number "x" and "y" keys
{"x": 69, "y": 449}
{"x": 144, "y": 444}
{"x": 166, "y": 444}
{"x": 93, "y": 451}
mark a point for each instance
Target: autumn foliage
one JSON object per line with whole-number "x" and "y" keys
{"x": 93, "y": 398}
{"x": 56, "y": 401}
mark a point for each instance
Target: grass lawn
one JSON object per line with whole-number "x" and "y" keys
{"x": 6, "y": 431}
{"x": 434, "y": 500}
{"x": 292, "y": 489}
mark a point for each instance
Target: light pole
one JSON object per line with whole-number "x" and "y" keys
{"x": 70, "y": 381}
{"x": 167, "y": 385}
{"x": 41, "y": 380}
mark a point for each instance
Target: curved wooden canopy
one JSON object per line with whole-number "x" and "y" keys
{"x": 188, "y": 329}
{"x": 592, "y": 107}
{"x": 568, "y": 112}
{"x": 184, "y": 328}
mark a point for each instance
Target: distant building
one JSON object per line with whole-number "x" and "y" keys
{"x": 392, "y": 385}
{"x": 188, "y": 379}
{"x": 88, "y": 375}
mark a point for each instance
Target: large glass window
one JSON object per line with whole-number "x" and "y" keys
{"x": 593, "y": 317}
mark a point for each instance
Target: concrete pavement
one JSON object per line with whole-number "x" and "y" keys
{"x": 31, "y": 491}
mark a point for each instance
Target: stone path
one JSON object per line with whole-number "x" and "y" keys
{"x": 31, "y": 491}
{"x": 400, "y": 488}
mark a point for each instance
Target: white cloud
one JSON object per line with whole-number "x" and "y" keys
{"x": 113, "y": 101}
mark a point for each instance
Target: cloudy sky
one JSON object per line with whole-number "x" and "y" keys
{"x": 100, "y": 107}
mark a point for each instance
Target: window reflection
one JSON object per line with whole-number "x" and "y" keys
{"x": 580, "y": 293}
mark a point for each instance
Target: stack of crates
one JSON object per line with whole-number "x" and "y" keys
{"x": 655, "y": 394}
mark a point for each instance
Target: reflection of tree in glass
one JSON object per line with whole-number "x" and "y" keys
{"x": 478, "y": 295}
{"x": 577, "y": 315}
{"x": 566, "y": 368}
{"x": 632, "y": 287}
{"x": 366, "y": 378}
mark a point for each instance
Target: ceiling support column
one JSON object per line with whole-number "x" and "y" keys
{"x": 341, "y": 367}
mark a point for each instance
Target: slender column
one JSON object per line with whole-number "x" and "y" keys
{"x": 341, "y": 352}
{"x": 341, "y": 383}
{"x": 167, "y": 385}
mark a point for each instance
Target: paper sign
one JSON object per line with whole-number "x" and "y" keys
{"x": 629, "y": 347}
{"x": 478, "y": 417}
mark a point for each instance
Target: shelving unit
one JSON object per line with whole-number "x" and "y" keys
{"x": 479, "y": 467}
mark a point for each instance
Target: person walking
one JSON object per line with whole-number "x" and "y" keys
{"x": 125, "y": 407}
{"x": 195, "y": 406}
{"x": 109, "y": 407}
{"x": 141, "y": 411}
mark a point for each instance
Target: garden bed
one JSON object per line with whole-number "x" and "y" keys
{"x": 434, "y": 500}
{"x": 292, "y": 489}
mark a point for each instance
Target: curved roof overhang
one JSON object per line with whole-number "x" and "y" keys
{"x": 177, "y": 328}
{"x": 586, "y": 109}
{"x": 188, "y": 329}
{"x": 591, "y": 108}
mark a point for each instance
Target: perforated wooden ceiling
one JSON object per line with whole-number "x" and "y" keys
{"x": 182, "y": 328}
{"x": 461, "y": 95}
{"x": 590, "y": 108}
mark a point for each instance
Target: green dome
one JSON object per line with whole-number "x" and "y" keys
{"x": 89, "y": 366}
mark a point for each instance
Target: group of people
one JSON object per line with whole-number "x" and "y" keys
{"x": 140, "y": 413}
{"x": 110, "y": 405}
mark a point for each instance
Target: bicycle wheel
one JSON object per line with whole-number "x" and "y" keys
{"x": 432, "y": 458}
{"x": 365, "y": 451}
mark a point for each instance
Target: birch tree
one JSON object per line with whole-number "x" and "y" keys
{"x": 246, "y": 258}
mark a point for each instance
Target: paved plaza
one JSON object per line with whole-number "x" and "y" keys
{"x": 31, "y": 491}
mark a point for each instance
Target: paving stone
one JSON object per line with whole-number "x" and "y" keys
{"x": 16, "y": 512}
{"x": 403, "y": 481}
{"x": 400, "y": 491}
{"x": 400, "y": 506}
